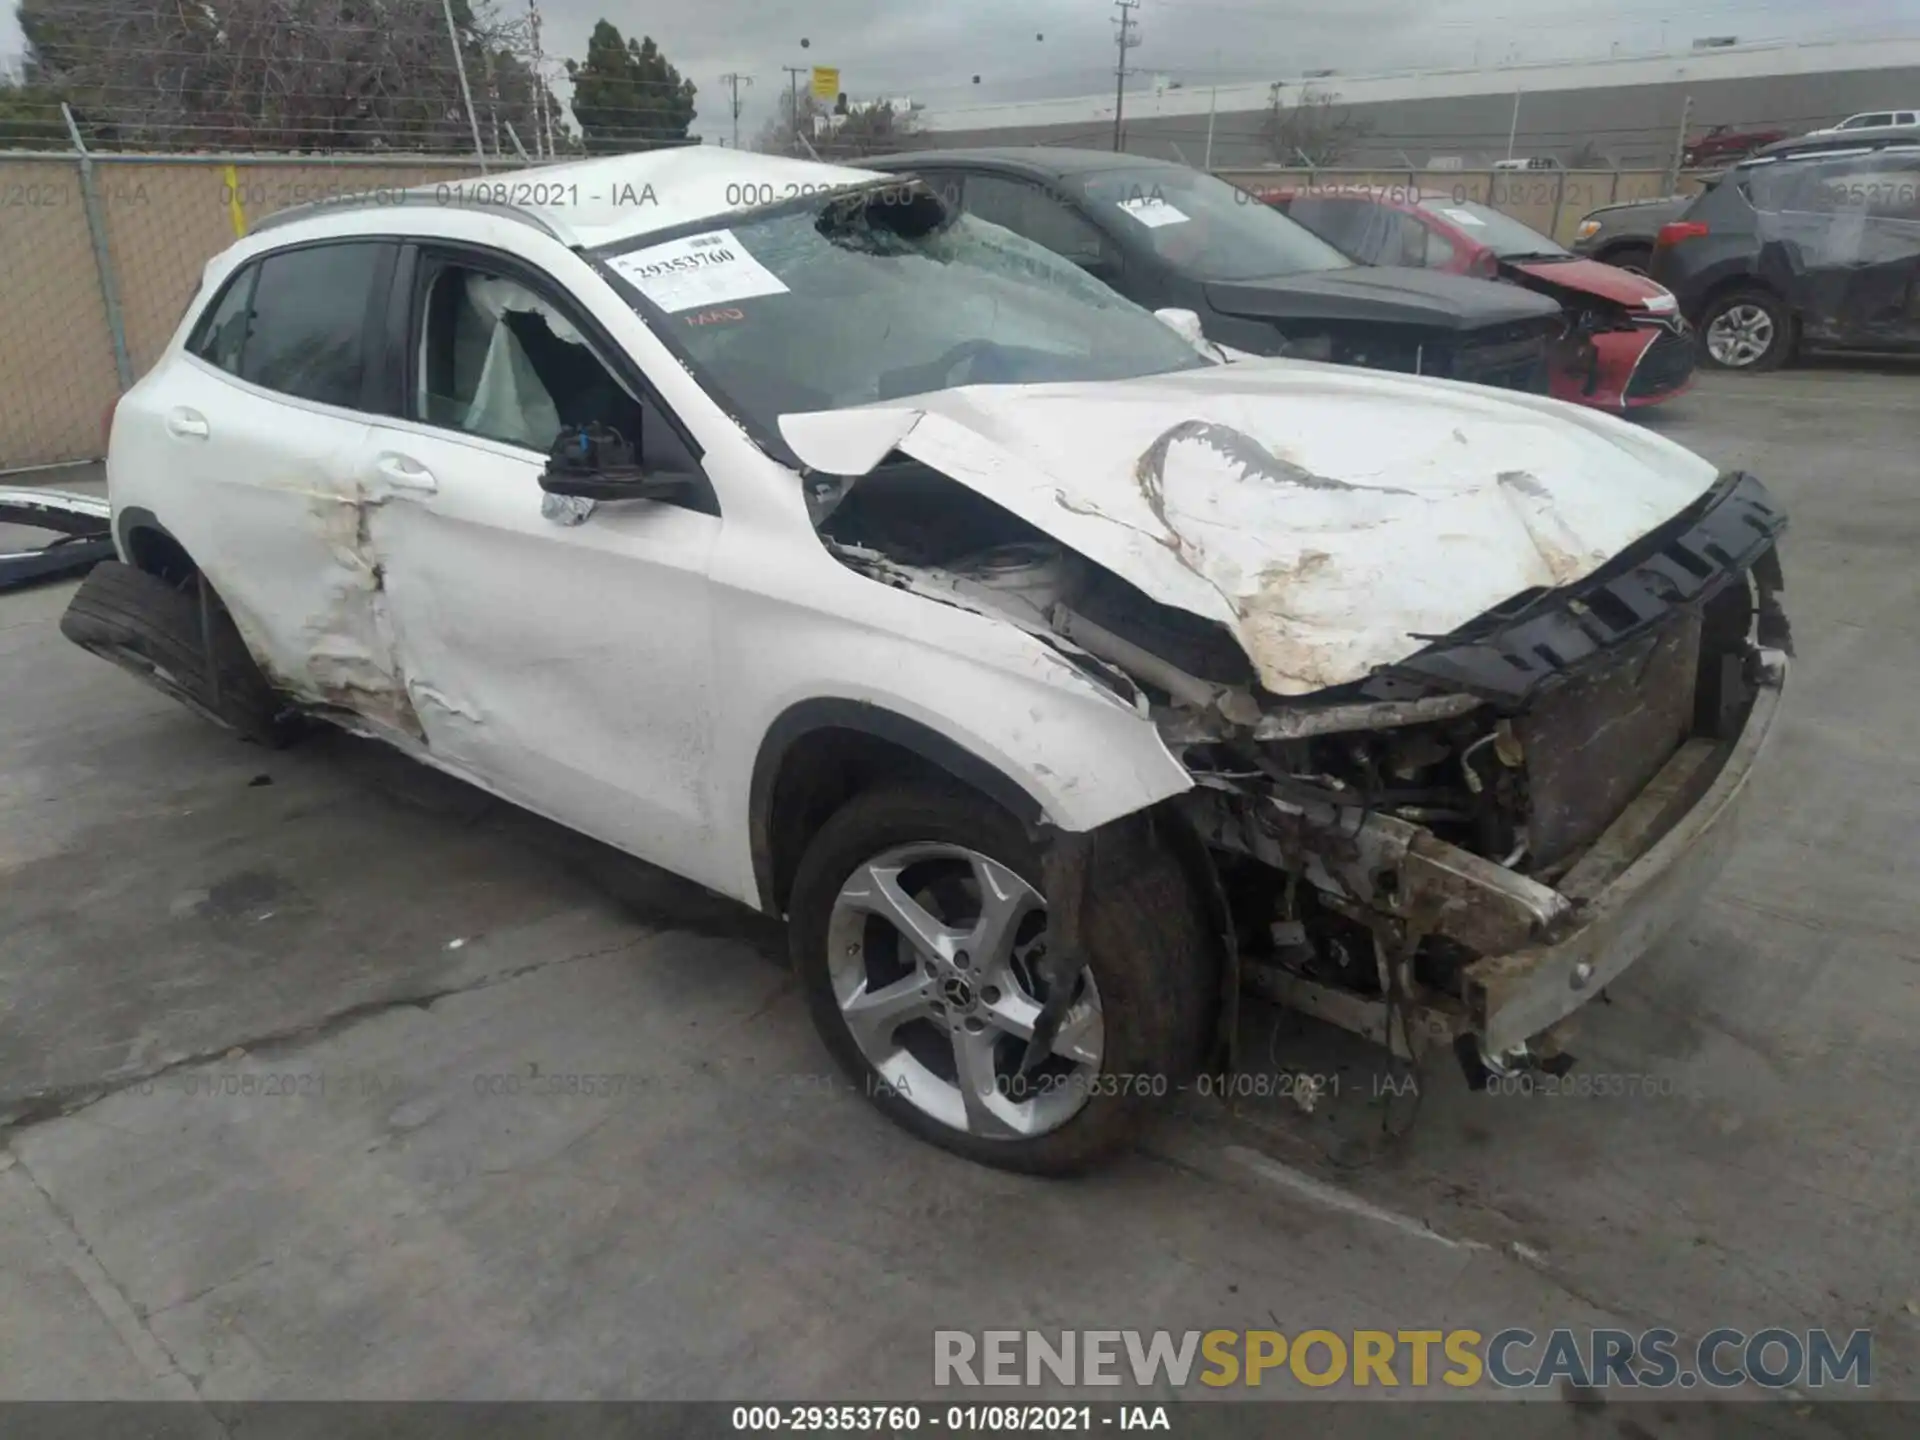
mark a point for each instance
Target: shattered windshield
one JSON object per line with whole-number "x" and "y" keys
{"x": 1205, "y": 228}
{"x": 878, "y": 295}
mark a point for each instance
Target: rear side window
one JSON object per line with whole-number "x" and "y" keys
{"x": 217, "y": 337}
{"x": 308, "y": 335}
{"x": 1884, "y": 185}
{"x": 1031, "y": 212}
{"x": 1343, "y": 223}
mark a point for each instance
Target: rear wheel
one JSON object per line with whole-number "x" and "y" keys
{"x": 919, "y": 932}
{"x": 1749, "y": 329}
{"x": 159, "y": 632}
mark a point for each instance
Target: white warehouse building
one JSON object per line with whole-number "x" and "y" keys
{"x": 1628, "y": 109}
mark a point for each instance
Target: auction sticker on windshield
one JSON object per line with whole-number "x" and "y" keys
{"x": 1153, "y": 212}
{"x": 709, "y": 269}
{"x": 1464, "y": 217}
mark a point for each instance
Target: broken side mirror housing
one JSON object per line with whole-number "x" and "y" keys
{"x": 596, "y": 462}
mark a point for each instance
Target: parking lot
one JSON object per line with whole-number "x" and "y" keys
{"x": 327, "y": 1076}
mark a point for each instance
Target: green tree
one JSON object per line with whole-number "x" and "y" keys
{"x": 30, "y": 119}
{"x": 872, "y": 127}
{"x": 626, "y": 95}
{"x": 1314, "y": 130}
{"x": 294, "y": 75}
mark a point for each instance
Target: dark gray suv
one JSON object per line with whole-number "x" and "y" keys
{"x": 1169, "y": 237}
{"x": 1818, "y": 247}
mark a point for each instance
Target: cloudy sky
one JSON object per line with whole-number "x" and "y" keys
{"x": 930, "y": 50}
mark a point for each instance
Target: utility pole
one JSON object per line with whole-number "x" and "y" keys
{"x": 1514, "y": 129}
{"x": 542, "y": 138}
{"x": 1680, "y": 145}
{"x": 733, "y": 84}
{"x": 1213, "y": 104}
{"x": 794, "y": 72}
{"x": 493, "y": 98}
{"x": 466, "y": 95}
{"x": 1126, "y": 35}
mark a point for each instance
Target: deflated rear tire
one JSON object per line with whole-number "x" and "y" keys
{"x": 918, "y": 927}
{"x": 154, "y": 630}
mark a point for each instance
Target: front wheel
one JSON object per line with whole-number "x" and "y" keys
{"x": 919, "y": 930}
{"x": 1634, "y": 259}
{"x": 1750, "y": 330}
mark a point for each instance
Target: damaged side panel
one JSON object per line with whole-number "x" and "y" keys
{"x": 1839, "y": 238}
{"x": 570, "y": 667}
{"x": 285, "y": 535}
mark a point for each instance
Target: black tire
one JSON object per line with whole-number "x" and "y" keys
{"x": 150, "y": 628}
{"x": 1635, "y": 258}
{"x": 1785, "y": 329}
{"x": 1156, "y": 965}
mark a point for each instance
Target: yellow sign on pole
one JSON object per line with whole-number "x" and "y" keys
{"x": 236, "y": 212}
{"x": 826, "y": 82}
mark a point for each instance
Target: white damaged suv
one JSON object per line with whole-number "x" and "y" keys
{"x": 871, "y": 565}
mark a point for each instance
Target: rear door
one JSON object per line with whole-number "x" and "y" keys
{"x": 561, "y": 657}
{"x": 256, "y": 432}
{"x": 1842, "y": 239}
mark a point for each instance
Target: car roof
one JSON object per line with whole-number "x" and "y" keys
{"x": 1398, "y": 197}
{"x": 590, "y": 203}
{"x": 1875, "y": 135}
{"x": 1056, "y": 162}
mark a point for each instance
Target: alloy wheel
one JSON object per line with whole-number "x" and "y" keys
{"x": 1740, "y": 335}
{"x": 934, "y": 952}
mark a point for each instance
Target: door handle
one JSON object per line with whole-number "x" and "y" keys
{"x": 187, "y": 424}
{"x": 405, "y": 474}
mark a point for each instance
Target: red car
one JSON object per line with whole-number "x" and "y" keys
{"x": 1722, "y": 144}
{"x": 1626, "y": 344}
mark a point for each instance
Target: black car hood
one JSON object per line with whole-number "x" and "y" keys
{"x": 1381, "y": 294}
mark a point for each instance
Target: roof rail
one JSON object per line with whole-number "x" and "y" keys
{"x": 412, "y": 196}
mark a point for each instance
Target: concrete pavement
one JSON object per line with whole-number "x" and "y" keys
{"x": 330, "y": 1077}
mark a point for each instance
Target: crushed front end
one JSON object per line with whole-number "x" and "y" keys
{"x": 1469, "y": 845}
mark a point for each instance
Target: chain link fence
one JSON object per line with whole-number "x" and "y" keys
{"x": 99, "y": 255}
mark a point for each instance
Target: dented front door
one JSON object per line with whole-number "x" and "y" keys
{"x": 566, "y": 666}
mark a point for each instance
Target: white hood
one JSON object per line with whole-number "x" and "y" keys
{"x": 1334, "y": 519}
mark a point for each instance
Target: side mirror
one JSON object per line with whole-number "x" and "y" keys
{"x": 631, "y": 483}
{"x": 1185, "y": 324}
{"x": 593, "y": 462}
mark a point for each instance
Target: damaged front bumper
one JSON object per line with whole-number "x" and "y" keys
{"x": 1640, "y": 878}
{"x": 81, "y": 526}
{"x": 1543, "y": 951}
